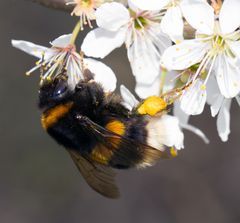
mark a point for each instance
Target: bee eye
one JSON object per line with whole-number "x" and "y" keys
{"x": 60, "y": 89}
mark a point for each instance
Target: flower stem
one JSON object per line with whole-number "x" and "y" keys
{"x": 75, "y": 33}
{"x": 162, "y": 79}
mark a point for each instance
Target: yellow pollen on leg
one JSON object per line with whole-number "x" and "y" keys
{"x": 152, "y": 105}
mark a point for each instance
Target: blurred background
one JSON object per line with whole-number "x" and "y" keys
{"x": 39, "y": 182}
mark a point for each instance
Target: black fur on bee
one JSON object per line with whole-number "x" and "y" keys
{"x": 96, "y": 129}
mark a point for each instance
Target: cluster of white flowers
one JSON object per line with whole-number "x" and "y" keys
{"x": 210, "y": 62}
{"x": 206, "y": 67}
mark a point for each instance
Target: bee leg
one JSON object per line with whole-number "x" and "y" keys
{"x": 151, "y": 106}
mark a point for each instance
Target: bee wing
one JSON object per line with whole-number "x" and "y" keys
{"x": 126, "y": 152}
{"x": 98, "y": 177}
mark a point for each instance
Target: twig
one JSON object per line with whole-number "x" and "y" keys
{"x": 54, "y": 4}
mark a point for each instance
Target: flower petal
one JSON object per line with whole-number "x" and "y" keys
{"x": 180, "y": 114}
{"x": 172, "y": 24}
{"x": 184, "y": 54}
{"x": 193, "y": 99}
{"x": 62, "y": 41}
{"x": 169, "y": 80}
{"x": 144, "y": 56}
{"x": 228, "y": 76}
{"x": 30, "y": 48}
{"x": 229, "y": 16}
{"x": 216, "y": 105}
{"x": 100, "y": 42}
{"x": 129, "y": 100}
{"x": 112, "y": 16}
{"x": 235, "y": 47}
{"x": 196, "y": 131}
{"x": 199, "y": 14}
{"x": 223, "y": 120}
{"x": 149, "y": 4}
{"x": 103, "y": 74}
{"x": 184, "y": 118}
{"x": 74, "y": 72}
{"x": 214, "y": 97}
{"x": 146, "y": 90}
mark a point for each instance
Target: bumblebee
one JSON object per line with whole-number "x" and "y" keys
{"x": 99, "y": 132}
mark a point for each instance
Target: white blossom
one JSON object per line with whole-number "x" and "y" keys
{"x": 129, "y": 100}
{"x": 219, "y": 106}
{"x": 216, "y": 47}
{"x": 62, "y": 56}
{"x": 173, "y": 11}
{"x": 85, "y": 9}
{"x": 169, "y": 85}
{"x": 140, "y": 30}
{"x": 184, "y": 122}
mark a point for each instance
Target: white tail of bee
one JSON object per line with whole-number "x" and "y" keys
{"x": 164, "y": 130}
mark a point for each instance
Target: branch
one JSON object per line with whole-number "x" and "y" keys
{"x": 54, "y": 4}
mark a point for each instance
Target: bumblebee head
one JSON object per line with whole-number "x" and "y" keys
{"x": 88, "y": 94}
{"x": 53, "y": 92}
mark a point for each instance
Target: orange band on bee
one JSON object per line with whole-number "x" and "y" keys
{"x": 51, "y": 116}
{"x": 100, "y": 153}
{"x": 116, "y": 126}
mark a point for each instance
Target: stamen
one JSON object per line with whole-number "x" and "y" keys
{"x": 50, "y": 72}
{"x": 210, "y": 70}
{"x": 33, "y": 69}
{"x": 202, "y": 64}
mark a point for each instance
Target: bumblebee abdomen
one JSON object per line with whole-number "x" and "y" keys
{"x": 121, "y": 142}
{"x": 136, "y": 132}
{"x": 126, "y": 149}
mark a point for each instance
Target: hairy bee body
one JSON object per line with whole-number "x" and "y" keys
{"x": 97, "y": 131}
